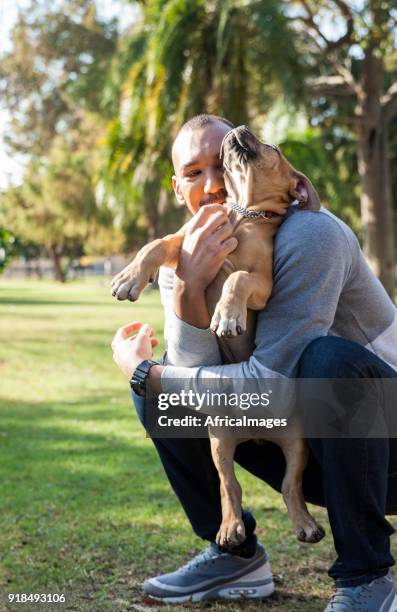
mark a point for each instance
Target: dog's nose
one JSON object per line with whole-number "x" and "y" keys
{"x": 226, "y": 137}
{"x": 241, "y": 128}
{"x": 246, "y": 142}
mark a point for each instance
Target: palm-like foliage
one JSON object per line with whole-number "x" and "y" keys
{"x": 186, "y": 57}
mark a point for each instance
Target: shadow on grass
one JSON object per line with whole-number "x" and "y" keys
{"x": 70, "y": 485}
{"x": 60, "y": 442}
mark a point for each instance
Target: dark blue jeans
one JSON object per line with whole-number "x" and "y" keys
{"x": 355, "y": 479}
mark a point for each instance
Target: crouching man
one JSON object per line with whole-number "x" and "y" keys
{"x": 328, "y": 317}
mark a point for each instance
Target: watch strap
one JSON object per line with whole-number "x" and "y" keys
{"x": 138, "y": 379}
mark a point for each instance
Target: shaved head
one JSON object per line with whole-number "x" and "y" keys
{"x": 195, "y": 123}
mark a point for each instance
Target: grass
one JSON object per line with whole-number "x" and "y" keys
{"x": 85, "y": 508}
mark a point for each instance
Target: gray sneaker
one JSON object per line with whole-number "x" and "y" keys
{"x": 214, "y": 575}
{"x": 376, "y": 596}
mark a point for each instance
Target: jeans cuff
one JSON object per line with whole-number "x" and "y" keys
{"x": 245, "y": 549}
{"x": 249, "y": 522}
{"x": 361, "y": 579}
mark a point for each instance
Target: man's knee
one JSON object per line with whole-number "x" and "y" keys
{"x": 334, "y": 357}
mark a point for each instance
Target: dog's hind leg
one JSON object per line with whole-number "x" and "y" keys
{"x": 232, "y": 530}
{"x": 296, "y": 454}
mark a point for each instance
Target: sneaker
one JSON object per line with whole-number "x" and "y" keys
{"x": 376, "y": 596}
{"x": 214, "y": 574}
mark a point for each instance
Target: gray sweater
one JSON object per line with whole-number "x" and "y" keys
{"x": 322, "y": 286}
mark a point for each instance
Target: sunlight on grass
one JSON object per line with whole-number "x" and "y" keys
{"x": 85, "y": 506}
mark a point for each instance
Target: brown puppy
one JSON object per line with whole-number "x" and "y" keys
{"x": 261, "y": 184}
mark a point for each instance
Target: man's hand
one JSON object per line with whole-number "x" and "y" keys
{"x": 207, "y": 243}
{"x": 130, "y": 350}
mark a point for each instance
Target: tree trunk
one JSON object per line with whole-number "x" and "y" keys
{"x": 376, "y": 202}
{"x": 374, "y": 168}
{"x": 37, "y": 269}
{"x": 56, "y": 259}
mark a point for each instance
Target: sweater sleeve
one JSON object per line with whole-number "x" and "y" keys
{"x": 186, "y": 345}
{"x": 190, "y": 346}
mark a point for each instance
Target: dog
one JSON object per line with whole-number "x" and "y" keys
{"x": 261, "y": 186}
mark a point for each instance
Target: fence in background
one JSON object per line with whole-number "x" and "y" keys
{"x": 81, "y": 268}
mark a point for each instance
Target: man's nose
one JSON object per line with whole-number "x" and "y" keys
{"x": 214, "y": 181}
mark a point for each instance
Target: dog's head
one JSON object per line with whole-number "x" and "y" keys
{"x": 258, "y": 176}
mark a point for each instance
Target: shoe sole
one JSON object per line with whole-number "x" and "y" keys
{"x": 247, "y": 588}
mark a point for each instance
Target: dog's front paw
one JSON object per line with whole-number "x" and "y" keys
{"x": 229, "y": 320}
{"x": 231, "y": 533}
{"x": 130, "y": 282}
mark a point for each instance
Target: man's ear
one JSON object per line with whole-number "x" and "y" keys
{"x": 177, "y": 191}
{"x": 301, "y": 189}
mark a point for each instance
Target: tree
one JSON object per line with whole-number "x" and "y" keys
{"x": 55, "y": 70}
{"x": 186, "y": 57}
{"x": 56, "y": 205}
{"x": 235, "y": 59}
{"x": 52, "y": 84}
{"x": 353, "y": 85}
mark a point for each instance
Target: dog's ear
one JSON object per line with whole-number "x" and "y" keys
{"x": 301, "y": 189}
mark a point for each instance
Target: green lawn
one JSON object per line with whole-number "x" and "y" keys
{"x": 85, "y": 508}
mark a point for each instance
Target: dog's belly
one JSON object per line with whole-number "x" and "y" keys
{"x": 241, "y": 347}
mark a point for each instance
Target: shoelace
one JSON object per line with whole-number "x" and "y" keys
{"x": 204, "y": 558}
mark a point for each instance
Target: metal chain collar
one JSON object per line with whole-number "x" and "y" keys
{"x": 251, "y": 214}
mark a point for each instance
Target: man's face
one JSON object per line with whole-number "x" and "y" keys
{"x": 198, "y": 178}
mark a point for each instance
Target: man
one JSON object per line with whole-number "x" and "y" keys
{"x": 327, "y": 309}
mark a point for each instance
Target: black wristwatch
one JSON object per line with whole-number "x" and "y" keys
{"x": 138, "y": 379}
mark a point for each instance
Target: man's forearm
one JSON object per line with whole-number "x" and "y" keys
{"x": 190, "y": 304}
